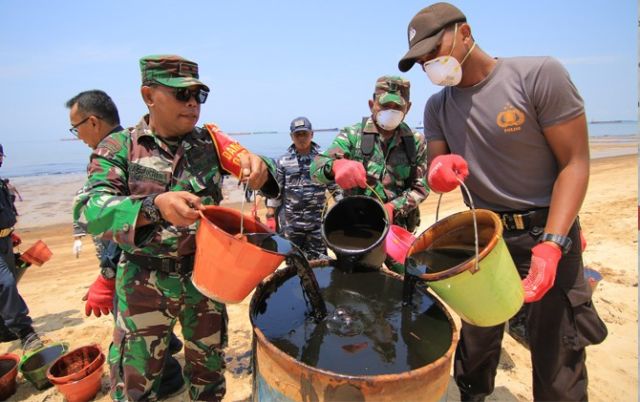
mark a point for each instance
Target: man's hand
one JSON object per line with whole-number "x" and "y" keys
{"x": 15, "y": 239}
{"x": 254, "y": 170}
{"x": 77, "y": 247}
{"x": 542, "y": 274}
{"x": 349, "y": 174}
{"x": 444, "y": 172}
{"x": 99, "y": 298}
{"x": 180, "y": 208}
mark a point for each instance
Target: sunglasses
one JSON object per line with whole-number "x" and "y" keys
{"x": 184, "y": 94}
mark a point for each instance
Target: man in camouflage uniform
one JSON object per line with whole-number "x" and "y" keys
{"x": 381, "y": 154}
{"x": 93, "y": 116}
{"x": 303, "y": 199}
{"x": 144, "y": 190}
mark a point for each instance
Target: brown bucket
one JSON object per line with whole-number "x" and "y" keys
{"x": 227, "y": 267}
{"x": 37, "y": 254}
{"x": 8, "y": 373}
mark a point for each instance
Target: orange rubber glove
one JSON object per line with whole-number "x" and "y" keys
{"x": 349, "y": 174}
{"x": 445, "y": 171}
{"x": 583, "y": 242}
{"x": 542, "y": 273}
{"x": 99, "y": 298}
{"x": 271, "y": 224}
{"x": 389, "y": 208}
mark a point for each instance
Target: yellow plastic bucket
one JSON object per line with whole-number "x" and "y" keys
{"x": 483, "y": 292}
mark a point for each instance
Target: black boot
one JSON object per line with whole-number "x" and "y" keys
{"x": 175, "y": 344}
{"x": 30, "y": 340}
{"x": 172, "y": 380}
{"x": 5, "y": 334}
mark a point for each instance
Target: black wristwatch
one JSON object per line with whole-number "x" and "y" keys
{"x": 108, "y": 272}
{"x": 563, "y": 241}
{"x": 149, "y": 209}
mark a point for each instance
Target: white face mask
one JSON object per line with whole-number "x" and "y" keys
{"x": 389, "y": 119}
{"x": 446, "y": 70}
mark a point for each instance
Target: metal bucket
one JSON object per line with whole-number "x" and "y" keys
{"x": 483, "y": 292}
{"x": 277, "y": 376}
{"x": 362, "y": 225}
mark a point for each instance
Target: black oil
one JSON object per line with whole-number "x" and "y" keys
{"x": 278, "y": 244}
{"x": 6, "y": 365}
{"x": 367, "y": 330}
{"x": 439, "y": 259}
{"x": 356, "y": 237}
{"x": 42, "y": 358}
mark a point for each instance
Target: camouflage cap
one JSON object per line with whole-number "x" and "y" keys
{"x": 170, "y": 70}
{"x": 391, "y": 88}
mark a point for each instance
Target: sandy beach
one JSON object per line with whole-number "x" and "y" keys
{"x": 608, "y": 216}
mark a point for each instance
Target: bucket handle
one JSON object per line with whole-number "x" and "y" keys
{"x": 476, "y": 265}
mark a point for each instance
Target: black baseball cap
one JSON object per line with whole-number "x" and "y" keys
{"x": 300, "y": 124}
{"x": 425, "y": 30}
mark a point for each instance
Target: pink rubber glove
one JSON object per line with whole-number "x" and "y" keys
{"x": 349, "y": 174}
{"x": 99, "y": 298}
{"x": 271, "y": 224}
{"x": 542, "y": 274}
{"x": 389, "y": 208}
{"x": 445, "y": 171}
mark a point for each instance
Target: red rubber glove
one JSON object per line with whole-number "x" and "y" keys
{"x": 349, "y": 174}
{"x": 15, "y": 239}
{"x": 271, "y": 223}
{"x": 542, "y": 274}
{"x": 99, "y": 298}
{"x": 389, "y": 208}
{"x": 445, "y": 171}
{"x": 583, "y": 242}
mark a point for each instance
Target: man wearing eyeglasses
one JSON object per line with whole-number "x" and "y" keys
{"x": 516, "y": 129}
{"x": 94, "y": 116}
{"x": 145, "y": 187}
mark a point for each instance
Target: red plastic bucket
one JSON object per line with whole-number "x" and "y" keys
{"x": 398, "y": 242}
{"x": 8, "y": 373}
{"x": 76, "y": 364}
{"x": 82, "y": 390}
{"x": 227, "y": 267}
{"x": 37, "y": 254}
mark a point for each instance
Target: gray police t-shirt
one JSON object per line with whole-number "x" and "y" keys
{"x": 497, "y": 125}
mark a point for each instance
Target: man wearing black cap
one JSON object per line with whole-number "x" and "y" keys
{"x": 15, "y": 322}
{"x": 515, "y": 128}
{"x": 301, "y": 200}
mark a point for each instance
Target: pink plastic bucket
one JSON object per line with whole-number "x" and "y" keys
{"x": 398, "y": 242}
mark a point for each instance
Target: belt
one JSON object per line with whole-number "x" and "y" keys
{"x": 6, "y": 232}
{"x": 523, "y": 220}
{"x": 181, "y": 266}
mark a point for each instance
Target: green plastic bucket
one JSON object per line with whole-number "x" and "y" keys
{"x": 484, "y": 290}
{"x": 34, "y": 364}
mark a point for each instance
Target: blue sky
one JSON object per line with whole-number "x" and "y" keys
{"x": 270, "y": 61}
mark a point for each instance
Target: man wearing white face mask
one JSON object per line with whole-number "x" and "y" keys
{"x": 381, "y": 154}
{"x": 517, "y": 128}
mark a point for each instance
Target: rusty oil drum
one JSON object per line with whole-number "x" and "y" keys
{"x": 279, "y": 377}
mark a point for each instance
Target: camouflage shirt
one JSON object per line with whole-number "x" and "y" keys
{"x": 303, "y": 198}
{"x": 130, "y": 165}
{"x": 388, "y": 168}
